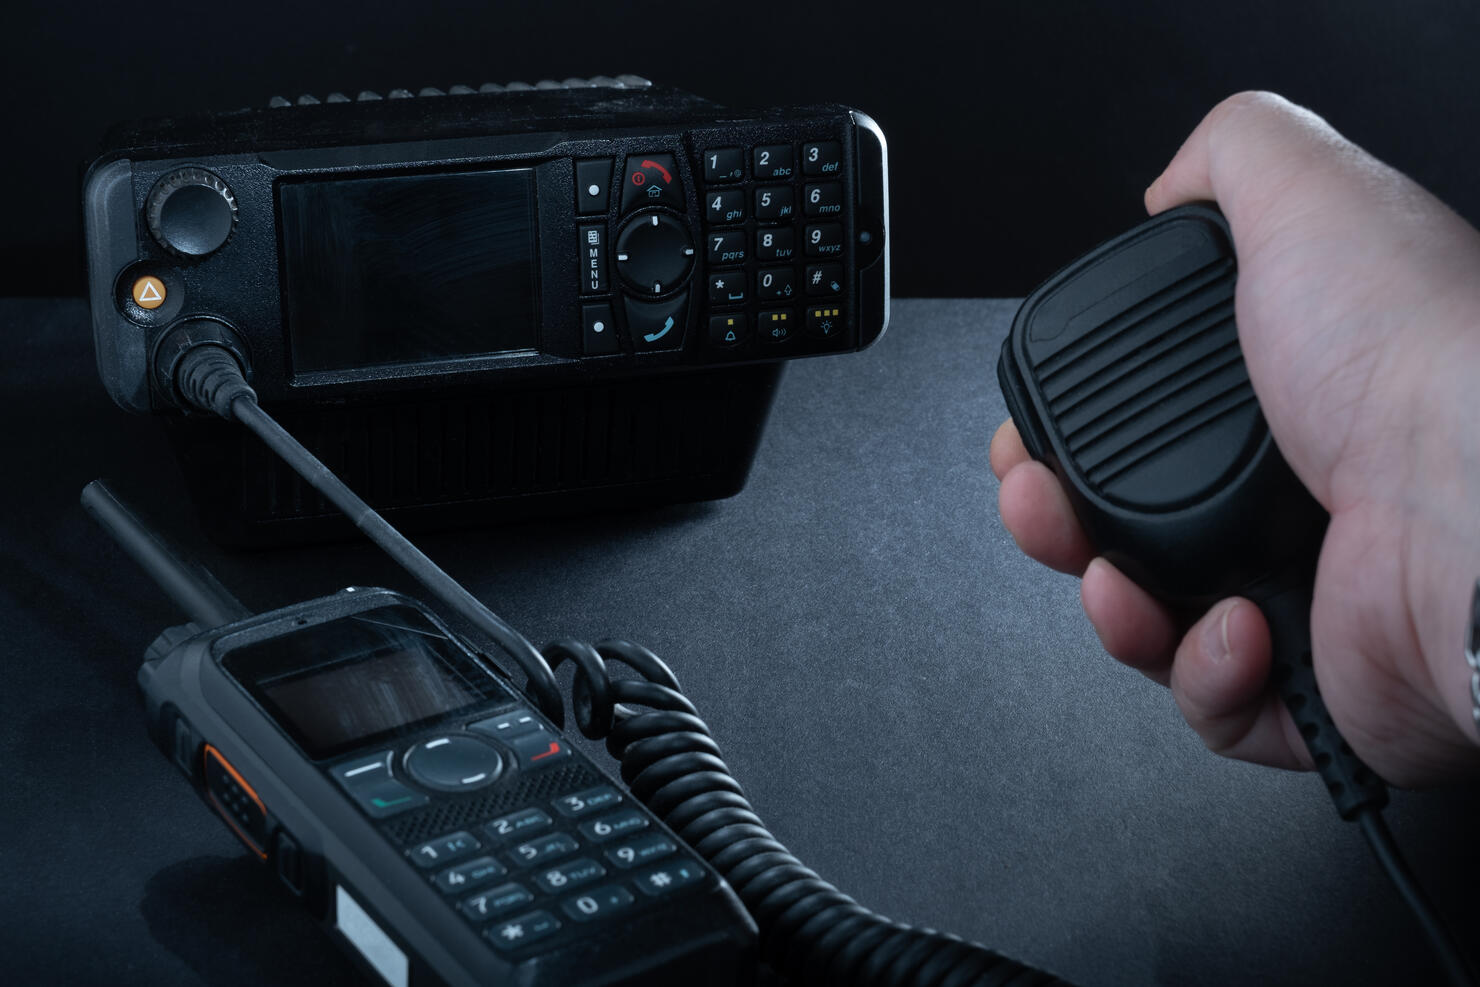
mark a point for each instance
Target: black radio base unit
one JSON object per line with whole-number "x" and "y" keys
{"x": 485, "y": 304}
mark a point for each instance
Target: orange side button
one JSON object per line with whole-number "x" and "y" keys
{"x": 149, "y": 292}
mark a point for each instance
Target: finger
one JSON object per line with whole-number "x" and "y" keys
{"x": 1220, "y": 680}
{"x": 1007, "y": 449}
{"x": 1134, "y": 628}
{"x": 1039, "y": 517}
{"x": 1255, "y": 154}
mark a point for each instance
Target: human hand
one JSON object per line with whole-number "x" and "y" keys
{"x": 1358, "y": 307}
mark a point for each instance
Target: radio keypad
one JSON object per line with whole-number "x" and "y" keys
{"x": 557, "y": 878}
{"x": 776, "y": 236}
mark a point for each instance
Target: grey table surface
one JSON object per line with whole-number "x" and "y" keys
{"x": 923, "y": 715}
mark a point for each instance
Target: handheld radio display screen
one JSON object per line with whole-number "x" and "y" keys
{"x": 406, "y": 269}
{"x": 336, "y": 685}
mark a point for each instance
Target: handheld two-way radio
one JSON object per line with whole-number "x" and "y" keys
{"x": 433, "y": 820}
{"x": 1123, "y": 373}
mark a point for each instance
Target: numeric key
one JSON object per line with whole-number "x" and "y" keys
{"x": 724, "y": 208}
{"x": 774, "y": 203}
{"x": 774, "y": 161}
{"x": 724, "y": 164}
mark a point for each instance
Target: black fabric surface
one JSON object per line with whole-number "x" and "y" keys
{"x": 920, "y": 713}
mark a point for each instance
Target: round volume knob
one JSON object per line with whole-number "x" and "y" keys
{"x": 191, "y": 212}
{"x": 654, "y": 253}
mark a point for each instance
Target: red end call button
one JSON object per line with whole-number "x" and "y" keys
{"x": 538, "y": 749}
{"x": 652, "y": 180}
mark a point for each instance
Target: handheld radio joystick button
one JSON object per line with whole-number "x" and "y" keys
{"x": 191, "y": 212}
{"x": 654, "y": 253}
{"x": 453, "y": 764}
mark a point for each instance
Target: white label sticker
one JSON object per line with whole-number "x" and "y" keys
{"x": 370, "y": 939}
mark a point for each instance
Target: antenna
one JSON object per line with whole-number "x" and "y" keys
{"x": 185, "y": 581}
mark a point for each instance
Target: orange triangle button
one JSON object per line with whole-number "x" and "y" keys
{"x": 149, "y": 292}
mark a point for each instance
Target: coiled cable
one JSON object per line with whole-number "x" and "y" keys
{"x": 810, "y": 931}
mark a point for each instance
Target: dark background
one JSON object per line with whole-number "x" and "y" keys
{"x": 1020, "y": 133}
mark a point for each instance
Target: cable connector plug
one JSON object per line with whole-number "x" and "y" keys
{"x": 209, "y": 377}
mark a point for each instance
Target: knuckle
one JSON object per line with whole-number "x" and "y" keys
{"x": 1251, "y": 106}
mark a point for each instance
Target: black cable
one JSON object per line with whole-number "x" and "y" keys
{"x": 209, "y": 378}
{"x": 1380, "y": 838}
{"x": 811, "y": 932}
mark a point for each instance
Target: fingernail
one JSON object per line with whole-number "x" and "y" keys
{"x": 1215, "y": 635}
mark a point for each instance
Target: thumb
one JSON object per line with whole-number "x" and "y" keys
{"x": 1220, "y": 679}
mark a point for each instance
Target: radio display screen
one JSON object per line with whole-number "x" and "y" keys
{"x": 408, "y": 269}
{"x": 337, "y": 685}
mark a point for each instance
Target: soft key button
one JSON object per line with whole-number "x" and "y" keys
{"x": 369, "y": 782}
{"x": 506, "y": 725}
{"x": 593, "y": 181}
